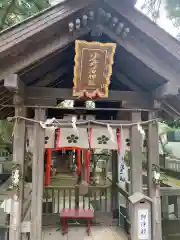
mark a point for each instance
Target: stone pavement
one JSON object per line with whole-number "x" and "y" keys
{"x": 79, "y": 233}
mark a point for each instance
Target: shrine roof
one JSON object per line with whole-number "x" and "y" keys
{"x": 41, "y": 50}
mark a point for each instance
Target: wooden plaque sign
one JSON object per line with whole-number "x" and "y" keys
{"x": 93, "y": 68}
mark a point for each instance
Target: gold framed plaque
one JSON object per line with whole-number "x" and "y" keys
{"x": 93, "y": 68}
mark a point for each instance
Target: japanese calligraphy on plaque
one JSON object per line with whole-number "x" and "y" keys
{"x": 143, "y": 224}
{"x": 93, "y": 68}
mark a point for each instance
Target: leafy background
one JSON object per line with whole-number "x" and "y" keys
{"x": 15, "y": 11}
{"x": 155, "y": 8}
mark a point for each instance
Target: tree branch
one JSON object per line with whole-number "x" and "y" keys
{"x": 6, "y": 14}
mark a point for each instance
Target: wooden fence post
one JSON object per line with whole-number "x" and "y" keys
{"x": 154, "y": 190}
{"x": 18, "y": 158}
{"x": 37, "y": 176}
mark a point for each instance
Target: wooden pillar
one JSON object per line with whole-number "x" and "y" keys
{"x": 114, "y": 181}
{"x": 18, "y": 158}
{"x": 41, "y": 115}
{"x": 48, "y": 166}
{"x": 34, "y": 182}
{"x": 38, "y": 176}
{"x": 87, "y": 166}
{"x": 154, "y": 190}
{"x": 135, "y": 155}
{"x": 165, "y": 206}
{"x": 177, "y": 207}
{"x": 135, "y": 165}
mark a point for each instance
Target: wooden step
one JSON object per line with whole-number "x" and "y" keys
{"x": 63, "y": 180}
{"x": 63, "y": 176}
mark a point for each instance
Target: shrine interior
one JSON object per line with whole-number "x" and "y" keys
{"x": 107, "y": 158}
{"x": 56, "y": 71}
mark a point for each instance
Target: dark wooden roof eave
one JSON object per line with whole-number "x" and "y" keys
{"x": 8, "y": 34}
{"x": 42, "y": 22}
{"x": 144, "y": 24}
{"x": 39, "y": 24}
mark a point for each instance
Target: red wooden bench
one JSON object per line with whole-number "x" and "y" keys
{"x": 67, "y": 213}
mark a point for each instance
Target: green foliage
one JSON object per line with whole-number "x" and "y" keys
{"x": 168, "y": 126}
{"x": 15, "y": 11}
{"x": 6, "y": 138}
{"x": 174, "y": 124}
{"x": 104, "y": 154}
{"x": 173, "y": 9}
{"x": 152, "y": 9}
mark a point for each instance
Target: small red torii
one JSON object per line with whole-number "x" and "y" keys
{"x": 78, "y": 150}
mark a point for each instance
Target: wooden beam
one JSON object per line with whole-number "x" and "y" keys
{"x": 136, "y": 155}
{"x": 145, "y": 25}
{"x": 170, "y": 191}
{"x": 150, "y": 60}
{"x": 136, "y": 158}
{"x": 64, "y": 93}
{"x": 40, "y": 115}
{"x": 34, "y": 182}
{"x": 127, "y": 82}
{"x": 13, "y": 83}
{"x": 52, "y": 62}
{"x": 115, "y": 179}
{"x": 40, "y": 102}
{"x": 37, "y": 176}
{"x": 153, "y": 189}
{"x": 165, "y": 207}
{"x": 18, "y": 158}
{"x": 45, "y": 50}
{"x": 166, "y": 90}
{"x": 172, "y": 111}
{"x": 40, "y": 23}
{"x": 23, "y": 46}
{"x": 51, "y": 77}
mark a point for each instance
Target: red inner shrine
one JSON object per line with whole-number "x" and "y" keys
{"x": 78, "y": 150}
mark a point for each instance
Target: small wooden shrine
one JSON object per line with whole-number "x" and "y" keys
{"x": 101, "y": 51}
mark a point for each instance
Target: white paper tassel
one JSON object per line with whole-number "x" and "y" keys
{"x": 141, "y": 130}
{"x": 121, "y": 175}
{"x": 111, "y": 134}
{"x": 43, "y": 125}
{"x": 48, "y": 122}
{"x": 52, "y": 129}
{"x": 15, "y": 124}
{"x": 74, "y": 125}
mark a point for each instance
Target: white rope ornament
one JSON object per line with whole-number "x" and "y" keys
{"x": 111, "y": 134}
{"x": 15, "y": 124}
{"x": 141, "y": 130}
{"x": 74, "y": 125}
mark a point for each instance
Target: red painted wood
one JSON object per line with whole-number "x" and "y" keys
{"x": 69, "y": 148}
{"x": 67, "y": 213}
{"x": 90, "y": 137}
{"x": 87, "y": 155}
{"x": 57, "y": 139}
{"x": 48, "y": 167}
{"x": 78, "y": 161}
{"x": 76, "y": 213}
{"x": 119, "y": 139}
